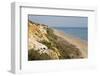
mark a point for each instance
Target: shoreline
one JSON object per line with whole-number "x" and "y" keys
{"x": 82, "y": 45}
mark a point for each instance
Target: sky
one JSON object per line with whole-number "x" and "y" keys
{"x": 60, "y": 21}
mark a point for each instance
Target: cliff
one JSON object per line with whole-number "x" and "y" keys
{"x": 44, "y": 44}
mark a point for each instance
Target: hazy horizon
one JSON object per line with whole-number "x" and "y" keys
{"x": 60, "y": 21}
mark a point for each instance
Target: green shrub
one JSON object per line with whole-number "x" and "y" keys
{"x": 35, "y": 55}
{"x": 48, "y": 44}
{"x": 51, "y": 34}
{"x": 45, "y": 56}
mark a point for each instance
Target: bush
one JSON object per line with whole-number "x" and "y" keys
{"x": 51, "y": 34}
{"x": 35, "y": 55}
{"x": 48, "y": 44}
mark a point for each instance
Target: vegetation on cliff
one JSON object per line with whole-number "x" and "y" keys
{"x": 45, "y": 45}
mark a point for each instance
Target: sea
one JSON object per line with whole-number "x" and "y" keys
{"x": 78, "y": 32}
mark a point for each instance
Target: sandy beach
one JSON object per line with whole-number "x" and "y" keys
{"x": 80, "y": 44}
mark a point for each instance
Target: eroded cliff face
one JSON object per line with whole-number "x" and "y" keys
{"x": 43, "y": 44}
{"x": 37, "y": 33}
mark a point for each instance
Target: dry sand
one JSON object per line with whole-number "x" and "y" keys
{"x": 80, "y": 44}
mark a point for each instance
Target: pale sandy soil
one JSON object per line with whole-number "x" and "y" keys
{"x": 81, "y": 44}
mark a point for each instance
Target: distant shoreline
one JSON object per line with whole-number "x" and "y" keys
{"x": 78, "y": 32}
{"x": 82, "y": 45}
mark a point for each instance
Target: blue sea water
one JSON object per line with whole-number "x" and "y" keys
{"x": 78, "y": 32}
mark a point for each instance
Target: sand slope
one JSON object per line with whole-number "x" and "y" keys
{"x": 80, "y": 44}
